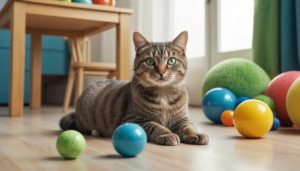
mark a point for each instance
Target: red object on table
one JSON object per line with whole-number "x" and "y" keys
{"x": 105, "y": 2}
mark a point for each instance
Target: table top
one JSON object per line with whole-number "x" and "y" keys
{"x": 73, "y": 5}
{"x": 66, "y": 18}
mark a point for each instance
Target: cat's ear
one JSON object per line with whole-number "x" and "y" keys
{"x": 181, "y": 40}
{"x": 139, "y": 40}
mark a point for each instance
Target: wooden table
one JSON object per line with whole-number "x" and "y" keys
{"x": 49, "y": 17}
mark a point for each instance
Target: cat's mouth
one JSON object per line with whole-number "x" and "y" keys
{"x": 161, "y": 79}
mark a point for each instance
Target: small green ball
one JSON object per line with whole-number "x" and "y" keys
{"x": 267, "y": 100}
{"x": 70, "y": 144}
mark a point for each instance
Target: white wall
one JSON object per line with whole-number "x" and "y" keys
{"x": 104, "y": 46}
{"x": 142, "y": 20}
{"x": 102, "y": 50}
{"x": 152, "y": 19}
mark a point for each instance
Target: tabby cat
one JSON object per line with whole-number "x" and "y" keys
{"x": 156, "y": 98}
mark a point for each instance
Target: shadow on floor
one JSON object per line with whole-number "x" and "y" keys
{"x": 56, "y": 158}
{"x": 211, "y": 124}
{"x": 243, "y": 138}
{"x": 4, "y": 115}
{"x": 289, "y": 131}
{"x": 89, "y": 137}
{"x": 114, "y": 156}
{"x": 53, "y": 132}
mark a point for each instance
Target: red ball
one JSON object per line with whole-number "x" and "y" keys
{"x": 277, "y": 90}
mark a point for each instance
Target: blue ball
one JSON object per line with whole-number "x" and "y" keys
{"x": 276, "y": 124}
{"x": 274, "y": 114}
{"x": 83, "y": 1}
{"x": 240, "y": 100}
{"x": 129, "y": 139}
{"x": 216, "y": 101}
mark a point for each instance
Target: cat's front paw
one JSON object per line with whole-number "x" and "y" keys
{"x": 199, "y": 139}
{"x": 168, "y": 139}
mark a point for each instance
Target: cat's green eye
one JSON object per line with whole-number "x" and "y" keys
{"x": 150, "y": 61}
{"x": 171, "y": 61}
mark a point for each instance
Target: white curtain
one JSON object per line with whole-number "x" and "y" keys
{"x": 150, "y": 18}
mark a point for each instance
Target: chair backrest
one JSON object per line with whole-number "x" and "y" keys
{"x": 80, "y": 49}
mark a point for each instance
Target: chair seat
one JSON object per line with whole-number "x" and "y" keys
{"x": 94, "y": 66}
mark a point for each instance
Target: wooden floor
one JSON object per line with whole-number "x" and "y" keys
{"x": 28, "y": 143}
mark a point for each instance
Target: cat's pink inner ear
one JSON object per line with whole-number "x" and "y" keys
{"x": 139, "y": 40}
{"x": 181, "y": 40}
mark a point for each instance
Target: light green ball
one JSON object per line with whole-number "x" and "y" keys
{"x": 70, "y": 144}
{"x": 267, "y": 100}
{"x": 241, "y": 76}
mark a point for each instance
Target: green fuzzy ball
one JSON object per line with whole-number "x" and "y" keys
{"x": 70, "y": 144}
{"x": 241, "y": 76}
{"x": 267, "y": 100}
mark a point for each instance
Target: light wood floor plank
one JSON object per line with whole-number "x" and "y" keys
{"x": 28, "y": 143}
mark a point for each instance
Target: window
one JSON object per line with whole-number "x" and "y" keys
{"x": 2, "y": 3}
{"x": 235, "y": 19}
{"x": 189, "y": 15}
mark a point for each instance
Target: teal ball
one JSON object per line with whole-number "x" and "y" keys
{"x": 241, "y": 76}
{"x": 70, "y": 144}
{"x": 89, "y": 2}
{"x": 129, "y": 139}
{"x": 216, "y": 101}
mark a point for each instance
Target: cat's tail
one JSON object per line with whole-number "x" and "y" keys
{"x": 68, "y": 122}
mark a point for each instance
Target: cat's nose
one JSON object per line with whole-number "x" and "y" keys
{"x": 161, "y": 73}
{"x": 161, "y": 70}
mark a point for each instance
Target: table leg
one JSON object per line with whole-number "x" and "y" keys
{"x": 36, "y": 70}
{"x": 17, "y": 59}
{"x": 79, "y": 85}
{"x": 79, "y": 43}
{"x": 69, "y": 87}
{"x": 123, "y": 59}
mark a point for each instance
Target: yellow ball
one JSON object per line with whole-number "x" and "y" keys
{"x": 253, "y": 118}
{"x": 293, "y": 101}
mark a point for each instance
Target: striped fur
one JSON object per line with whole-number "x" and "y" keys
{"x": 156, "y": 98}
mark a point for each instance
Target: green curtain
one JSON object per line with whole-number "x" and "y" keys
{"x": 266, "y": 36}
{"x": 290, "y": 37}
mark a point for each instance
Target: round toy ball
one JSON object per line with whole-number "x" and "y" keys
{"x": 83, "y": 1}
{"x": 293, "y": 101}
{"x": 241, "y": 76}
{"x": 274, "y": 114}
{"x": 227, "y": 117}
{"x": 70, "y": 144}
{"x": 266, "y": 100}
{"x": 253, "y": 119}
{"x": 216, "y": 101}
{"x": 129, "y": 139}
{"x": 276, "y": 124}
{"x": 240, "y": 100}
{"x": 277, "y": 90}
